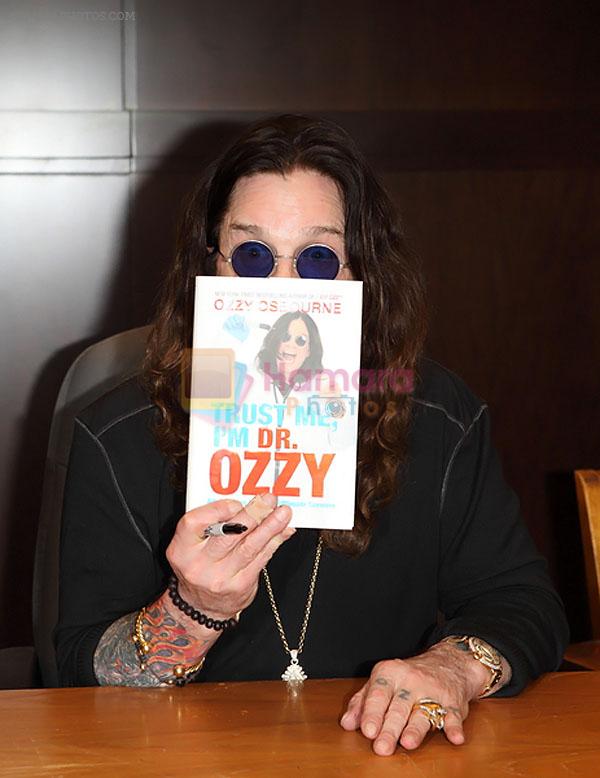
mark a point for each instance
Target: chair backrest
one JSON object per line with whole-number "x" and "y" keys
{"x": 96, "y": 370}
{"x": 587, "y": 484}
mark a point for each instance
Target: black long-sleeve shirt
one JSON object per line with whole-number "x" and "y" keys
{"x": 452, "y": 542}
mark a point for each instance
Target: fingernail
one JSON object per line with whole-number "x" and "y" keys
{"x": 370, "y": 730}
{"x": 267, "y": 499}
{"x": 282, "y": 514}
{"x": 383, "y": 747}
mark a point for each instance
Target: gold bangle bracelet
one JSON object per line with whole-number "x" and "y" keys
{"x": 142, "y": 646}
{"x": 181, "y": 673}
{"x": 184, "y": 673}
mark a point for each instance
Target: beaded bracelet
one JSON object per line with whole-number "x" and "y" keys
{"x": 190, "y": 611}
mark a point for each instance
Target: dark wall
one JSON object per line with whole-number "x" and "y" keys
{"x": 482, "y": 119}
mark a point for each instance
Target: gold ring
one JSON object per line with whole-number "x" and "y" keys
{"x": 434, "y": 712}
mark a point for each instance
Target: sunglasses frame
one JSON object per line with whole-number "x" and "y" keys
{"x": 276, "y": 257}
{"x": 296, "y": 338}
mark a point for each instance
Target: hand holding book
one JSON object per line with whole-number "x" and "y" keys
{"x": 219, "y": 575}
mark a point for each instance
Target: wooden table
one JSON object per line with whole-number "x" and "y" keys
{"x": 259, "y": 729}
{"x": 585, "y": 654}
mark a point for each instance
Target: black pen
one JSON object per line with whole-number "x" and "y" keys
{"x": 216, "y": 530}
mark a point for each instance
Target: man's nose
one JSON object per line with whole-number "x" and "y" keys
{"x": 284, "y": 269}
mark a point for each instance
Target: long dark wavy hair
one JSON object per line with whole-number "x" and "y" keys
{"x": 267, "y": 356}
{"x": 394, "y": 312}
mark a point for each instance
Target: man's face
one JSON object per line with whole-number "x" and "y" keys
{"x": 287, "y": 213}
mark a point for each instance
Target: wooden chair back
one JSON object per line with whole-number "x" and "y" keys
{"x": 587, "y": 484}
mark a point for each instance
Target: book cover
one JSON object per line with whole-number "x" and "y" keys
{"x": 274, "y": 395}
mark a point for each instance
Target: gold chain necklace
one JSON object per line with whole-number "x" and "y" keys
{"x": 294, "y": 672}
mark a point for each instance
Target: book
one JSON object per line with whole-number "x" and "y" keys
{"x": 273, "y": 396}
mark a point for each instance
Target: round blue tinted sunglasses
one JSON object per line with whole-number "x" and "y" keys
{"x": 255, "y": 259}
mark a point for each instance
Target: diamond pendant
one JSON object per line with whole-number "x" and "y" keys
{"x": 294, "y": 672}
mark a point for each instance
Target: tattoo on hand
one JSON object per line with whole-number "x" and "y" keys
{"x": 403, "y": 694}
{"x": 381, "y": 681}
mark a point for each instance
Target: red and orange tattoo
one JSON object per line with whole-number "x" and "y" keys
{"x": 116, "y": 662}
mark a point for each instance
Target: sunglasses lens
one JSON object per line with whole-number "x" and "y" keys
{"x": 301, "y": 341}
{"x": 252, "y": 260}
{"x": 318, "y": 262}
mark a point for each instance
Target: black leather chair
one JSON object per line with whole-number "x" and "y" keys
{"x": 99, "y": 368}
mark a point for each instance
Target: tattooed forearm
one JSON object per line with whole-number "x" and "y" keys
{"x": 116, "y": 662}
{"x": 171, "y": 641}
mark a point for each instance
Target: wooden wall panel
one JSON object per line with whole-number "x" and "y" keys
{"x": 332, "y": 55}
{"x": 513, "y": 264}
